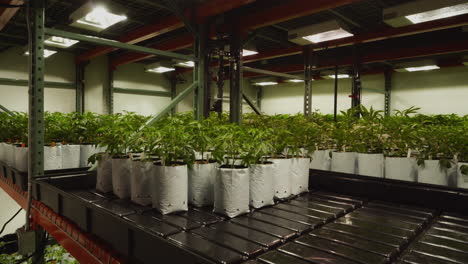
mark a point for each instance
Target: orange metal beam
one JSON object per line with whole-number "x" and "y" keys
{"x": 7, "y": 13}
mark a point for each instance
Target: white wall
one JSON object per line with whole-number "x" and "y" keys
{"x": 60, "y": 67}
{"x": 8, "y": 208}
{"x": 443, "y": 91}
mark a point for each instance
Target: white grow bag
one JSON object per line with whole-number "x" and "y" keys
{"x": 52, "y": 158}
{"x": 21, "y": 159}
{"x": 432, "y": 173}
{"x": 140, "y": 181}
{"x": 201, "y": 178}
{"x": 231, "y": 194}
{"x": 344, "y": 162}
{"x": 70, "y": 156}
{"x": 261, "y": 185}
{"x": 282, "y": 178}
{"x": 321, "y": 160}
{"x": 86, "y": 151}
{"x": 121, "y": 170}
{"x": 104, "y": 173}
{"x": 370, "y": 164}
{"x": 462, "y": 180}
{"x": 299, "y": 175}
{"x": 9, "y": 152}
{"x": 170, "y": 188}
{"x": 403, "y": 169}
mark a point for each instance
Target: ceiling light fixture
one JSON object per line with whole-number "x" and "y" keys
{"x": 422, "y": 68}
{"x": 294, "y": 80}
{"x": 265, "y": 83}
{"x": 96, "y": 18}
{"x": 317, "y": 33}
{"x": 340, "y": 76}
{"x": 60, "y": 42}
{"x": 246, "y": 52}
{"x": 421, "y": 11}
{"x": 160, "y": 67}
{"x": 186, "y": 64}
{"x": 47, "y": 53}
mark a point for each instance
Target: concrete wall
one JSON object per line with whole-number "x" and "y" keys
{"x": 443, "y": 91}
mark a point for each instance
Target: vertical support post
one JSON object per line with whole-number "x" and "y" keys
{"x": 235, "y": 83}
{"x": 356, "y": 85}
{"x": 219, "y": 97}
{"x": 173, "y": 91}
{"x": 36, "y": 97}
{"x": 388, "y": 90}
{"x": 259, "y": 97}
{"x": 202, "y": 93}
{"x": 79, "y": 88}
{"x": 109, "y": 94}
{"x": 335, "y": 97}
{"x": 307, "y": 52}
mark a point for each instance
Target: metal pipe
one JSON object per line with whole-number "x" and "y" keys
{"x": 335, "y": 98}
{"x": 271, "y": 73}
{"x": 142, "y": 92}
{"x": 117, "y": 44}
{"x": 251, "y": 104}
{"x": 6, "y": 110}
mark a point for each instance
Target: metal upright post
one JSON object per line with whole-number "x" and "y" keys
{"x": 202, "y": 93}
{"x": 35, "y": 18}
{"x": 356, "y": 85}
{"x": 235, "y": 84}
{"x": 219, "y": 97}
{"x": 109, "y": 94}
{"x": 335, "y": 100}
{"x": 307, "y": 52}
{"x": 388, "y": 90}
{"x": 79, "y": 87}
{"x": 259, "y": 97}
{"x": 173, "y": 90}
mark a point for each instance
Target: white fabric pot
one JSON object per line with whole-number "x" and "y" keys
{"x": 282, "y": 177}
{"x": 344, "y": 162}
{"x": 206, "y": 155}
{"x": 231, "y": 193}
{"x": 403, "y": 169}
{"x": 2, "y": 151}
{"x": 370, "y": 164}
{"x": 104, "y": 173}
{"x": 140, "y": 181}
{"x": 52, "y": 158}
{"x": 201, "y": 178}
{"x": 261, "y": 185}
{"x": 321, "y": 160}
{"x": 121, "y": 170}
{"x": 170, "y": 188}
{"x": 70, "y": 156}
{"x": 86, "y": 151}
{"x": 462, "y": 180}
{"x": 21, "y": 159}
{"x": 432, "y": 173}
{"x": 299, "y": 175}
{"x": 10, "y": 155}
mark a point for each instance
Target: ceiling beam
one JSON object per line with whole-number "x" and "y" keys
{"x": 6, "y": 14}
{"x": 167, "y": 24}
{"x": 384, "y": 54}
{"x": 380, "y": 34}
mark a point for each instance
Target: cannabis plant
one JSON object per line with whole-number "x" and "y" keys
{"x": 369, "y": 130}
{"x": 172, "y": 144}
{"x": 231, "y": 145}
{"x": 258, "y": 145}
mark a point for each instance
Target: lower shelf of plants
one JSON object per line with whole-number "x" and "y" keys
{"x": 322, "y": 226}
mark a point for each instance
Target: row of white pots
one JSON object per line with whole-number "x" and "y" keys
{"x": 56, "y": 157}
{"x": 397, "y": 168}
{"x": 229, "y": 190}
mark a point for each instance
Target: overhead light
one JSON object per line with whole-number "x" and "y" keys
{"x": 422, "y": 68}
{"x": 421, "y": 11}
{"x": 60, "y": 42}
{"x": 246, "y": 52}
{"x": 186, "y": 64}
{"x": 265, "y": 83}
{"x": 96, "y": 18}
{"x": 294, "y": 80}
{"x": 317, "y": 33}
{"x": 47, "y": 53}
{"x": 160, "y": 67}
{"x": 340, "y": 76}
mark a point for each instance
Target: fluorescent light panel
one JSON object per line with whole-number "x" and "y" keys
{"x": 295, "y": 81}
{"x": 266, "y": 83}
{"x": 422, "y": 68}
{"x": 60, "y": 42}
{"x": 246, "y": 52}
{"x": 47, "y": 53}
{"x": 329, "y": 35}
{"x": 99, "y": 17}
{"x": 160, "y": 69}
{"x": 186, "y": 64}
{"x": 340, "y": 76}
{"x": 440, "y": 13}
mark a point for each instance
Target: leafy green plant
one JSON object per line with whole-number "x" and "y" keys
{"x": 230, "y": 145}
{"x": 258, "y": 145}
{"x": 369, "y": 129}
{"x": 343, "y": 132}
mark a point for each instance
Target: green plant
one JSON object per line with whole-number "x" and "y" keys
{"x": 343, "y": 132}
{"x": 369, "y": 130}
{"x": 230, "y": 145}
{"x": 258, "y": 145}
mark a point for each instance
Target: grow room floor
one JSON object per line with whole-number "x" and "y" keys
{"x": 317, "y": 227}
